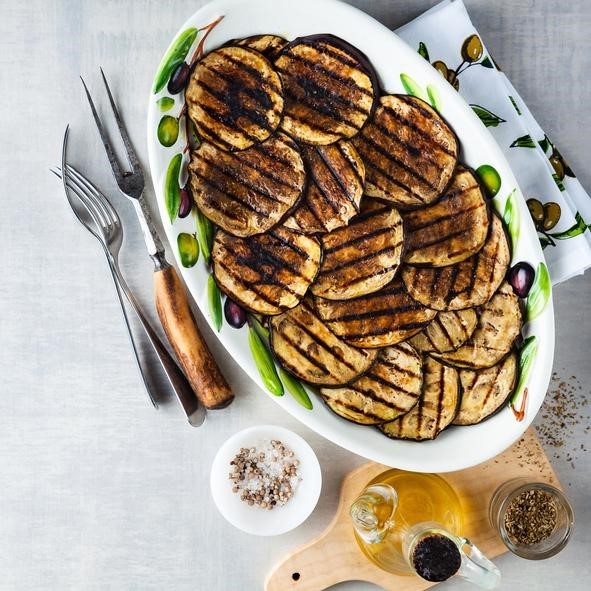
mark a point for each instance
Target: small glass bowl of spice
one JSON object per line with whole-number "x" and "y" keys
{"x": 534, "y": 519}
{"x": 265, "y": 480}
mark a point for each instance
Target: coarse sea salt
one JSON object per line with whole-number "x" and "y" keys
{"x": 265, "y": 475}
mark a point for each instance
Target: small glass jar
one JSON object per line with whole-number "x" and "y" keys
{"x": 560, "y": 535}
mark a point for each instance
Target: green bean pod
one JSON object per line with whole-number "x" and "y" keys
{"x": 214, "y": 298}
{"x": 264, "y": 362}
{"x": 295, "y": 388}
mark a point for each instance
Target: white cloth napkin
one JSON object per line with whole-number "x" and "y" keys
{"x": 439, "y": 36}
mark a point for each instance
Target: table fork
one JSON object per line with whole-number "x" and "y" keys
{"x": 172, "y": 304}
{"x": 105, "y": 225}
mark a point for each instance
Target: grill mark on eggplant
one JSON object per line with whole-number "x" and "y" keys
{"x": 447, "y": 217}
{"x": 337, "y": 55}
{"x": 254, "y": 73}
{"x": 209, "y": 181}
{"x": 346, "y": 157}
{"x": 375, "y": 313}
{"x": 266, "y": 101}
{"x": 499, "y": 368}
{"x": 376, "y": 332}
{"x": 288, "y": 244}
{"x": 364, "y": 411}
{"x": 363, "y": 259}
{"x": 250, "y": 286}
{"x": 376, "y": 398}
{"x": 363, "y": 238}
{"x": 264, "y": 170}
{"x": 399, "y": 368}
{"x": 419, "y": 130}
{"x": 321, "y": 343}
{"x": 440, "y": 397}
{"x": 254, "y": 261}
{"x": 256, "y": 116}
{"x": 268, "y": 150}
{"x": 438, "y": 239}
{"x": 320, "y": 105}
{"x": 241, "y": 179}
{"x": 391, "y": 157}
{"x": 444, "y": 330}
{"x": 226, "y": 121}
{"x": 335, "y": 174}
{"x": 316, "y": 68}
{"x": 305, "y": 354}
{"x": 381, "y": 380}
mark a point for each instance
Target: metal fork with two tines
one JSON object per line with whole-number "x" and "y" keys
{"x": 104, "y": 224}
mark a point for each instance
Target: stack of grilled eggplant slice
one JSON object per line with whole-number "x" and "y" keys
{"x": 346, "y": 223}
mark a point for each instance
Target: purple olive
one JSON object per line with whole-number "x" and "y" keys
{"x": 179, "y": 78}
{"x": 186, "y": 203}
{"x": 235, "y": 315}
{"x": 521, "y": 277}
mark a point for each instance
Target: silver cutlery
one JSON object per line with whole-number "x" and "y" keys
{"x": 104, "y": 223}
{"x": 172, "y": 303}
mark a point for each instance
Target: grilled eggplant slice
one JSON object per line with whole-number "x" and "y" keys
{"x": 234, "y": 98}
{"x": 335, "y": 186}
{"x": 436, "y": 408}
{"x": 269, "y": 45}
{"x": 467, "y": 284}
{"x": 409, "y": 152}
{"x": 498, "y": 327}
{"x": 389, "y": 389}
{"x": 447, "y": 332}
{"x": 268, "y": 273}
{"x": 485, "y": 391}
{"x": 379, "y": 319}
{"x": 361, "y": 257}
{"x": 329, "y": 86}
{"x": 309, "y": 350}
{"x": 450, "y": 230}
{"x": 247, "y": 192}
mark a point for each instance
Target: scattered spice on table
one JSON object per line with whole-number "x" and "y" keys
{"x": 531, "y": 517}
{"x": 265, "y": 476}
{"x": 564, "y": 419}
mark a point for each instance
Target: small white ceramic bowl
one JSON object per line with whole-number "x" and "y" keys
{"x": 253, "y": 519}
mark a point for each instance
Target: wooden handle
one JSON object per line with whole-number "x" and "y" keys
{"x": 190, "y": 348}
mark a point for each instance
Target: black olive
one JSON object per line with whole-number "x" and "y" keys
{"x": 235, "y": 315}
{"x": 179, "y": 78}
{"x": 521, "y": 277}
{"x": 186, "y": 203}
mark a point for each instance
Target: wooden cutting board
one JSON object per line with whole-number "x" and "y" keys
{"x": 334, "y": 556}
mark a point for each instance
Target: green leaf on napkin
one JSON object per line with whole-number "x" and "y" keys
{"x": 525, "y": 141}
{"x": 577, "y": 228}
{"x": 511, "y": 217}
{"x": 172, "y": 191}
{"x": 558, "y": 181}
{"x": 295, "y": 388}
{"x": 174, "y": 57}
{"x": 487, "y": 117}
{"x": 539, "y": 293}
{"x": 514, "y": 104}
{"x": 214, "y": 299}
{"x": 545, "y": 144}
{"x": 527, "y": 354}
{"x": 486, "y": 63}
{"x": 423, "y": 51}
{"x": 412, "y": 87}
{"x": 264, "y": 362}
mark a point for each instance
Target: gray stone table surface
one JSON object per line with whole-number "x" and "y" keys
{"x": 99, "y": 491}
